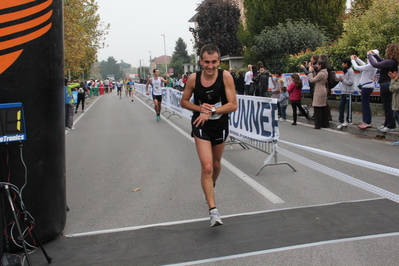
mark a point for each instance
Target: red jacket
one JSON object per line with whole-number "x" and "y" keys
{"x": 295, "y": 92}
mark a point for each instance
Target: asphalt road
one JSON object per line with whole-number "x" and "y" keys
{"x": 125, "y": 169}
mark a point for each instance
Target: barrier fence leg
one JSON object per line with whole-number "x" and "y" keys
{"x": 272, "y": 155}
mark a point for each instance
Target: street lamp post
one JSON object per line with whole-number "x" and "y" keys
{"x": 143, "y": 68}
{"x": 164, "y": 47}
{"x": 150, "y": 60}
{"x": 140, "y": 71}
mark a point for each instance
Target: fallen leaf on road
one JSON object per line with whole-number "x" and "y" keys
{"x": 136, "y": 189}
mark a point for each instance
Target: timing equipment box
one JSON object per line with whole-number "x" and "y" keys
{"x": 12, "y": 122}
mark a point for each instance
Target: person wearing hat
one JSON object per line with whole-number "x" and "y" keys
{"x": 366, "y": 87}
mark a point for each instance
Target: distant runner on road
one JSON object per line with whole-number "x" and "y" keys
{"x": 156, "y": 83}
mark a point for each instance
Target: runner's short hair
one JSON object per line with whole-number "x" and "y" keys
{"x": 210, "y": 49}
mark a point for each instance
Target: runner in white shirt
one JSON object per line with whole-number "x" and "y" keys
{"x": 156, "y": 82}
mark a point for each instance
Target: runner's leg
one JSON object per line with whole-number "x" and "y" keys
{"x": 204, "y": 150}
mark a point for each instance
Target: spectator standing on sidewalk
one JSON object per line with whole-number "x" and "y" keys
{"x": 329, "y": 71}
{"x": 283, "y": 102}
{"x": 319, "y": 102}
{"x": 394, "y": 88}
{"x": 255, "y": 81}
{"x": 305, "y": 69}
{"x": 278, "y": 82}
{"x": 69, "y": 104}
{"x": 346, "y": 93}
{"x": 295, "y": 91}
{"x": 263, "y": 81}
{"x": 248, "y": 81}
{"x": 390, "y": 64}
{"x": 366, "y": 87}
{"x": 233, "y": 74}
{"x": 240, "y": 83}
{"x": 81, "y": 97}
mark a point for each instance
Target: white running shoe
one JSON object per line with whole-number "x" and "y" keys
{"x": 339, "y": 126}
{"x": 385, "y": 129}
{"x": 215, "y": 218}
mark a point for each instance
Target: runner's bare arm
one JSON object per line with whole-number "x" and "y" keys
{"x": 230, "y": 91}
{"x": 146, "y": 85}
{"x": 166, "y": 81}
{"x": 188, "y": 92}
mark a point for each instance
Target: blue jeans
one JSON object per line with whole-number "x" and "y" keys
{"x": 346, "y": 101}
{"x": 366, "y": 110}
{"x": 283, "y": 111}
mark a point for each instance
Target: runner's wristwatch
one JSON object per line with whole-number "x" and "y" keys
{"x": 213, "y": 110}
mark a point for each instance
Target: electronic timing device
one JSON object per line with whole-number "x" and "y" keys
{"x": 12, "y": 122}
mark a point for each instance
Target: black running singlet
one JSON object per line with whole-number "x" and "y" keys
{"x": 215, "y": 95}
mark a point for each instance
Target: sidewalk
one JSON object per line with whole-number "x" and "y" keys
{"x": 373, "y": 132}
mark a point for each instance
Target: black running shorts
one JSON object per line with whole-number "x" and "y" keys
{"x": 216, "y": 137}
{"x": 157, "y": 97}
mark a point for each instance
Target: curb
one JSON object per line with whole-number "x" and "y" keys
{"x": 353, "y": 129}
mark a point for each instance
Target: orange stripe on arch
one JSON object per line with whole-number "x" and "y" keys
{"x": 24, "y": 39}
{"x": 11, "y": 3}
{"x": 26, "y": 25}
{"x": 23, "y": 13}
{"x": 8, "y": 59}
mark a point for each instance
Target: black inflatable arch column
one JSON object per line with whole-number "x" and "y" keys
{"x": 32, "y": 72}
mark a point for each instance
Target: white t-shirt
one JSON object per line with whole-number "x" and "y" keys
{"x": 248, "y": 78}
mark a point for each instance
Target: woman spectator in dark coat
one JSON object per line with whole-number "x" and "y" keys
{"x": 320, "y": 94}
{"x": 240, "y": 83}
{"x": 390, "y": 64}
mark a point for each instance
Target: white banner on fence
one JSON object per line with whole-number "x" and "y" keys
{"x": 255, "y": 118}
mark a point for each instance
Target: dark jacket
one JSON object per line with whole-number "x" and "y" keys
{"x": 263, "y": 83}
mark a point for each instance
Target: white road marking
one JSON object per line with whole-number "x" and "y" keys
{"x": 133, "y": 228}
{"x": 82, "y": 114}
{"x": 261, "y": 252}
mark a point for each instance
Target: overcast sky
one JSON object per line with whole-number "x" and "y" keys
{"x": 137, "y": 27}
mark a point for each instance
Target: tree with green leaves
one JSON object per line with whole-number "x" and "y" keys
{"x": 111, "y": 67}
{"x": 84, "y": 34}
{"x": 376, "y": 27}
{"x": 179, "y": 57}
{"x": 218, "y": 22}
{"x": 275, "y": 44}
{"x": 358, "y": 7}
{"x": 125, "y": 65}
{"x": 327, "y": 14}
{"x": 181, "y": 51}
